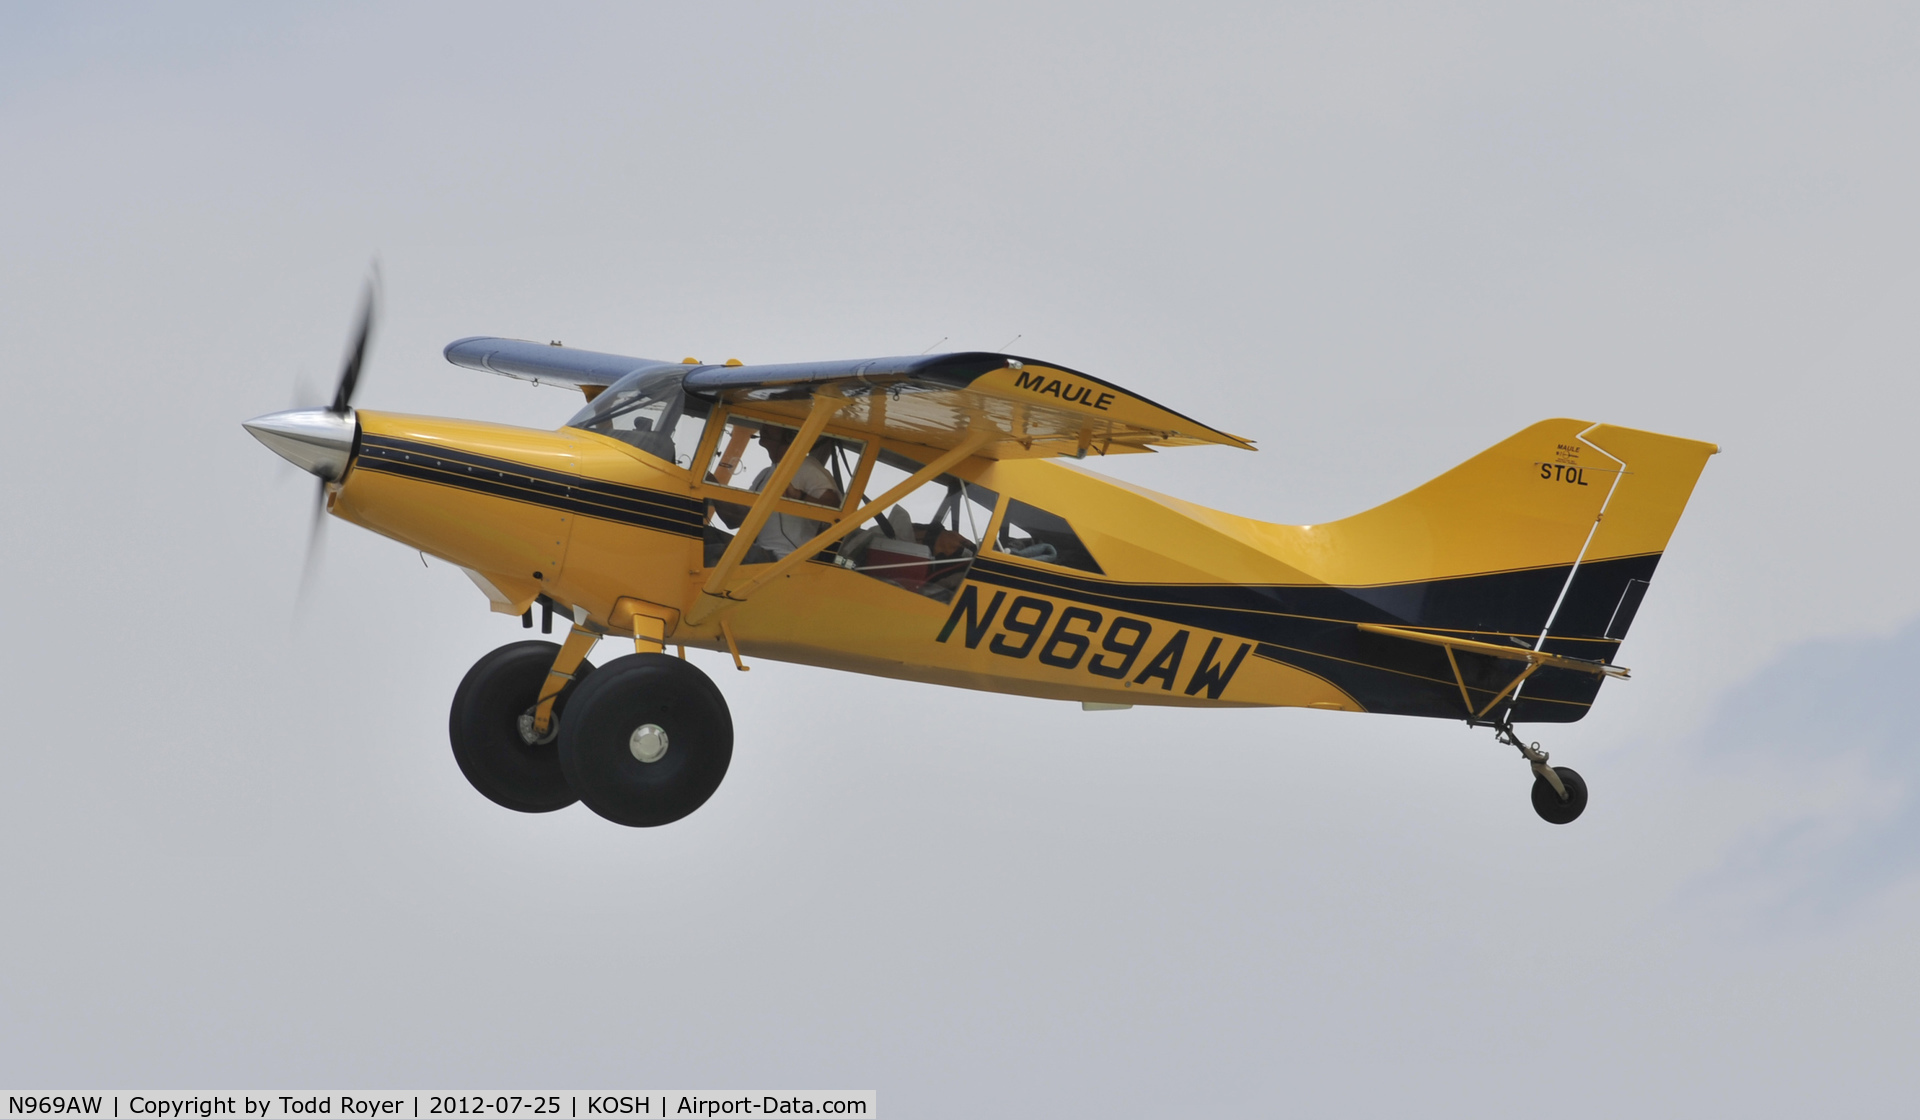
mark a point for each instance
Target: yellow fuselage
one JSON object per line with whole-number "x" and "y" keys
{"x": 1194, "y": 606}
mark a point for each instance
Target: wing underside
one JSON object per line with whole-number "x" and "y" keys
{"x": 1032, "y": 408}
{"x": 544, "y": 363}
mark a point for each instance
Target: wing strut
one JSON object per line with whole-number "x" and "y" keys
{"x": 825, "y": 404}
{"x": 713, "y": 600}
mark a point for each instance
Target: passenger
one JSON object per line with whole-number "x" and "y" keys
{"x": 951, "y": 551}
{"x": 945, "y": 544}
{"x": 785, "y": 532}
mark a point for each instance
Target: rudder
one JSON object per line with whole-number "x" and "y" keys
{"x": 1603, "y": 593}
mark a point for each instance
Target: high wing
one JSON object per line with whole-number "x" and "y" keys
{"x": 934, "y": 400}
{"x": 544, "y": 364}
{"x": 1033, "y": 408}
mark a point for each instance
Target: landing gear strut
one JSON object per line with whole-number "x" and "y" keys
{"x": 1559, "y": 792}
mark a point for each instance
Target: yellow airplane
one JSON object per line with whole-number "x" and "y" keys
{"x": 913, "y": 518}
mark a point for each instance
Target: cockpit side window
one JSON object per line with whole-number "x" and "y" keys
{"x": 741, "y": 461}
{"x": 746, "y": 452}
{"x": 646, "y": 409}
{"x": 1032, "y": 533}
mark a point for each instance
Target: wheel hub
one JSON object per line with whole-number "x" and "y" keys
{"x": 532, "y": 737}
{"x": 648, "y": 742}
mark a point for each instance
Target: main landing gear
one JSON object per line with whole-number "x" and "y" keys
{"x": 646, "y": 740}
{"x": 494, "y": 740}
{"x": 643, "y": 740}
{"x": 1559, "y": 792}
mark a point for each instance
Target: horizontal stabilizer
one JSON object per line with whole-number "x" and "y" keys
{"x": 1500, "y": 589}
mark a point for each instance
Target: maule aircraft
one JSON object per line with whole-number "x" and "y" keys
{"x": 912, "y": 518}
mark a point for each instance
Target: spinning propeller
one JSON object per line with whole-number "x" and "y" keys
{"x": 320, "y": 440}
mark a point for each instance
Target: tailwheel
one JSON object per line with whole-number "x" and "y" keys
{"x": 493, "y": 732}
{"x": 1559, "y": 792}
{"x": 646, "y": 740}
{"x": 1560, "y": 806}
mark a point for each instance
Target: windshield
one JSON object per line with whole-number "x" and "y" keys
{"x": 643, "y": 409}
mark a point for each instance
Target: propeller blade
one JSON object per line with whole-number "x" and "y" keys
{"x": 304, "y": 393}
{"x": 296, "y": 434}
{"x": 316, "y": 530}
{"x": 305, "y": 397}
{"x": 356, "y": 357}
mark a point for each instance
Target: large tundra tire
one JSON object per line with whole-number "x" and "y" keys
{"x": 646, "y": 740}
{"x": 491, "y": 728}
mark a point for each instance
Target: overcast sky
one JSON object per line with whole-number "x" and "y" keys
{"x": 236, "y": 852}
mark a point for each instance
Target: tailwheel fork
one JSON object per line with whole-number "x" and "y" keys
{"x": 1559, "y": 792}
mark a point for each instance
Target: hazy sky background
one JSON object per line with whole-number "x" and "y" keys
{"x": 236, "y": 852}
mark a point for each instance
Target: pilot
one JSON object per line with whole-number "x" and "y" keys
{"x": 785, "y": 532}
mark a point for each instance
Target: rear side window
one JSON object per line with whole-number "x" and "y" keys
{"x": 1032, "y": 533}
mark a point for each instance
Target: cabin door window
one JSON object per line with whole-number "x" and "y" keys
{"x": 926, "y": 542}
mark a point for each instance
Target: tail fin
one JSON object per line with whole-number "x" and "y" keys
{"x": 1656, "y": 475}
{"x": 1548, "y": 539}
{"x": 1615, "y": 568}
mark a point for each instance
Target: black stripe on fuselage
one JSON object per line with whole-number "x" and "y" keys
{"x": 1313, "y": 628}
{"x": 1310, "y": 627}
{"x": 505, "y": 478}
